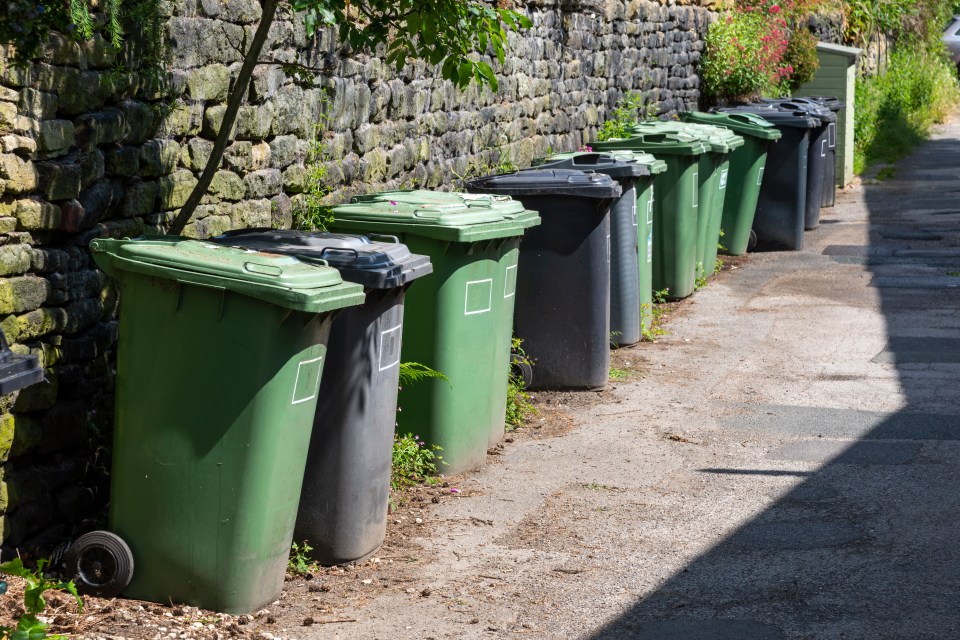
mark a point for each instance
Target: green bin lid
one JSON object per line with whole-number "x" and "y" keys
{"x": 281, "y": 280}
{"x": 660, "y": 143}
{"x": 652, "y": 164}
{"x": 451, "y": 221}
{"x": 507, "y": 206}
{"x": 718, "y": 139}
{"x": 747, "y": 124}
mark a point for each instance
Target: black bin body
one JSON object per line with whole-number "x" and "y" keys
{"x": 17, "y": 371}
{"x": 625, "y": 314}
{"x": 830, "y": 170}
{"x": 821, "y": 157}
{"x": 346, "y": 486}
{"x": 781, "y": 208}
{"x": 562, "y": 311}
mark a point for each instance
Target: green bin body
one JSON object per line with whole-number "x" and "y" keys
{"x": 456, "y": 321}
{"x": 713, "y": 175}
{"x": 677, "y": 188}
{"x": 746, "y": 173}
{"x": 218, "y": 366}
{"x": 506, "y": 273}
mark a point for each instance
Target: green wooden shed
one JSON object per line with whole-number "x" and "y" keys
{"x": 837, "y": 76}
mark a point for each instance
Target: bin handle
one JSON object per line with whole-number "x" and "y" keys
{"x": 395, "y": 239}
{"x": 239, "y": 232}
{"x": 333, "y": 250}
{"x": 587, "y": 159}
{"x": 303, "y": 257}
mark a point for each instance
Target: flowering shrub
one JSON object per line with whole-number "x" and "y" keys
{"x": 801, "y": 56}
{"x": 744, "y": 54}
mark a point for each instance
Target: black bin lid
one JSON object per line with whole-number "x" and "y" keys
{"x": 812, "y": 107}
{"x": 776, "y": 116}
{"x": 831, "y": 102}
{"x": 375, "y": 264}
{"x": 548, "y": 182}
{"x": 16, "y": 371}
{"x": 623, "y": 170}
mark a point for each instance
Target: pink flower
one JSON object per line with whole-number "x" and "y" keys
{"x": 393, "y": 202}
{"x": 775, "y": 9}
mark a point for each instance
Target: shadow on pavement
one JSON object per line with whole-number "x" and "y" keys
{"x": 867, "y": 545}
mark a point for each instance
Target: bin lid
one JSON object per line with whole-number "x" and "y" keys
{"x": 718, "y": 139}
{"x": 17, "y": 371}
{"x": 673, "y": 143}
{"x": 747, "y": 124}
{"x": 831, "y": 102}
{"x": 278, "y": 279}
{"x": 617, "y": 168}
{"x": 535, "y": 182}
{"x": 510, "y": 208}
{"x": 376, "y": 264}
{"x": 775, "y": 116}
{"x": 812, "y": 107}
{"x": 451, "y": 221}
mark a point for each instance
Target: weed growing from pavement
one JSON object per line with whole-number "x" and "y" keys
{"x": 414, "y": 462}
{"x": 519, "y": 405}
{"x": 653, "y": 330}
{"x": 29, "y": 626}
{"x": 618, "y": 374}
{"x": 701, "y": 277}
{"x": 299, "y": 563}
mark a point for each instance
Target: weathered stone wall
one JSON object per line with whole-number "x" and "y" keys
{"x": 92, "y": 144}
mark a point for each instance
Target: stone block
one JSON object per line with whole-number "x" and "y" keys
{"x": 195, "y": 42}
{"x": 281, "y": 212}
{"x": 24, "y": 293}
{"x": 102, "y": 127}
{"x": 212, "y": 118}
{"x": 209, "y": 83}
{"x": 140, "y": 121}
{"x": 59, "y": 180}
{"x": 99, "y": 52}
{"x": 283, "y": 151}
{"x": 266, "y": 81}
{"x": 260, "y": 155}
{"x": 92, "y": 166}
{"x": 140, "y": 199}
{"x": 20, "y": 175}
{"x": 239, "y": 155}
{"x": 227, "y": 185}
{"x": 295, "y": 178}
{"x": 158, "y": 157}
{"x": 183, "y": 120}
{"x": 263, "y": 183}
{"x": 123, "y": 161}
{"x": 12, "y": 143}
{"x": 37, "y": 397}
{"x": 251, "y": 213}
{"x": 97, "y": 203}
{"x": 174, "y": 189}
{"x": 196, "y": 153}
{"x": 208, "y": 226}
{"x": 55, "y": 135}
{"x": 15, "y": 259}
{"x": 254, "y": 122}
{"x": 35, "y": 215}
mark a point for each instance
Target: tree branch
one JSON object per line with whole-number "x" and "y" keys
{"x": 237, "y": 94}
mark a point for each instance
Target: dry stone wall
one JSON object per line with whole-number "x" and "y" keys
{"x": 94, "y": 144}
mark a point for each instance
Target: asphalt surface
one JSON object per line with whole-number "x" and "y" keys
{"x": 785, "y": 465}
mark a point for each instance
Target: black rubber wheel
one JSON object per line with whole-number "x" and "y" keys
{"x": 521, "y": 369}
{"x": 100, "y": 564}
{"x": 752, "y": 242}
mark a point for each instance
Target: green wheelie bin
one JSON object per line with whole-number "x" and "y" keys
{"x": 746, "y": 172}
{"x": 506, "y": 272}
{"x": 219, "y": 360}
{"x": 674, "y": 208}
{"x": 713, "y": 175}
{"x": 454, "y": 321}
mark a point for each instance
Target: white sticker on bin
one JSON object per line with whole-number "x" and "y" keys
{"x": 832, "y": 134}
{"x": 390, "y": 347}
{"x": 723, "y": 179}
{"x": 696, "y": 188}
{"x": 760, "y": 176}
{"x": 510, "y": 281}
{"x": 636, "y": 222}
{"x": 478, "y": 297}
{"x": 307, "y": 382}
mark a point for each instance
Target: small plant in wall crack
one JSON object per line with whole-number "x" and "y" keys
{"x": 629, "y": 110}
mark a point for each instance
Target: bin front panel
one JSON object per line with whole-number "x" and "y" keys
{"x": 781, "y": 207}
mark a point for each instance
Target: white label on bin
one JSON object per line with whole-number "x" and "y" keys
{"x": 696, "y": 188}
{"x": 479, "y": 297}
{"x": 608, "y": 248}
{"x": 390, "y": 347}
{"x": 510, "y": 282}
{"x": 760, "y": 176}
{"x": 832, "y": 134}
{"x": 650, "y": 246}
{"x": 308, "y": 380}
{"x": 636, "y": 222}
{"x": 823, "y": 149}
{"x": 650, "y": 208}
{"x": 650, "y": 227}
{"x": 723, "y": 179}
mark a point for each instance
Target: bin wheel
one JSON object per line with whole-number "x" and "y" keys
{"x": 521, "y": 369}
{"x": 100, "y": 564}
{"x": 752, "y": 242}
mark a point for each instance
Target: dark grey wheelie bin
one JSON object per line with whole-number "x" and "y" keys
{"x": 625, "y": 317}
{"x": 820, "y": 156}
{"x": 346, "y": 486}
{"x": 830, "y": 170}
{"x": 782, "y": 205}
{"x": 562, "y": 312}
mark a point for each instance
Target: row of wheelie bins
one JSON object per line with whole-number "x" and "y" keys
{"x": 257, "y": 372}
